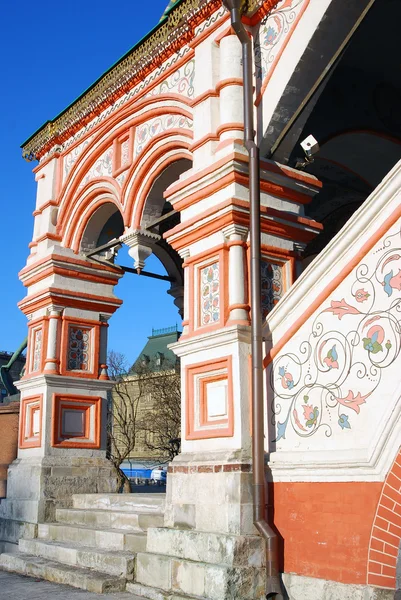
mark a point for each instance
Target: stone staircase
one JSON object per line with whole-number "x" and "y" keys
{"x": 93, "y": 545}
{"x": 110, "y": 543}
{"x": 183, "y": 564}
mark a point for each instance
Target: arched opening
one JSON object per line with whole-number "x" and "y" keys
{"x": 105, "y": 224}
{"x": 149, "y": 319}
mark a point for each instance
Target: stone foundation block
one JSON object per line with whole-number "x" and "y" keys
{"x": 153, "y": 570}
{"x": 11, "y": 531}
{"x": 200, "y": 580}
{"x": 212, "y": 548}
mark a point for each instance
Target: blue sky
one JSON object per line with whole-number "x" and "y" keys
{"x": 49, "y": 54}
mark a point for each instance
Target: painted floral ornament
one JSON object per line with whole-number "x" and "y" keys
{"x": 287, "y": 380}
{"x": 344, "y": 422}
{"x": 392, "y": 282}
{"x": 361, "y": 295}
{"x": 374, "y": 339}
{"x": 331, "y": 359}
{"x": 311, "y": 414}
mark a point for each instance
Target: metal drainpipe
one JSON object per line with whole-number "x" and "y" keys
{"x": 273, "y": 587}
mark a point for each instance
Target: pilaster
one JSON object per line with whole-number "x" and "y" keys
{"x": 214, "y": 348}
{"x": 62, "y": 427}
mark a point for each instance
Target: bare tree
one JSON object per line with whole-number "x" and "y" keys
{"x": 161, "y": 422}
{"x": 123, "y": 424}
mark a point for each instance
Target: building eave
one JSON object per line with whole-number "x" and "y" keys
{"x": 174, "y": 31}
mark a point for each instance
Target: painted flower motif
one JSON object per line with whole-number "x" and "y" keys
{"x": 311, "y": 414}
{"x": 287, "y": 380}
{"x": 361, "y": 295}
{"x": 388, "y": 344}
{"x": 331, "y": 358}
{"x": 392, "y": 282}
{"x": 142, "y": 135}
{"x": 374, "y": 339}
{"x": 270, "y": 36}
{"x": 341, "y": 308}
{"x": 343, "y": 422}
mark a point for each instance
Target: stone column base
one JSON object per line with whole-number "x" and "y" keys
{"x": 37, "y": 486}
{"x": 210, "y": 495}
{"x": 208, "y": 547}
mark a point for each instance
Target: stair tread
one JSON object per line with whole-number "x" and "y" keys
{"x": 139, "y": 495}
{"x": 80, "y": 548}
{"x": 49, "y": 564}
{"x": 96, "y": 528}
{"x": 139, "y": 511}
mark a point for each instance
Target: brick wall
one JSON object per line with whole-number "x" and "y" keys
{"x": 325, "y": 528}
{"x": 386, "y": 531}
{"x": 8, "y": 441}
{"x": 348, "y": 532}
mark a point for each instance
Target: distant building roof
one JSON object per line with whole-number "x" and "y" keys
{"x": 156, "y": 354}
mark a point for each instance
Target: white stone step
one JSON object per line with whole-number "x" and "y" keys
{"x": 110, "y": 519}
{"x": 120, "y": 502}
{"x": 85, "y": 579}
{"x": 118, "y": 564}
{"x": 110, "y": 539}
{"x": 150, "y": 593}
{"x": 9, "y": 547}
{"x": 181, "y": 577}
{"x": 207, "y": 547}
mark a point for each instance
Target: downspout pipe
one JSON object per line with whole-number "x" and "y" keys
{"x": 273, "y": 586}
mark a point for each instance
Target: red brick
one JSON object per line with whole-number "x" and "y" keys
{"x": 205, "y": 469}
{"x": 397, "y": 509}
{"x": 389, "y": 571}
{"x": 396, "y": 470}
{"x": 381, "y": 581}
{"x": 375, "y": 568}
{"x": 382, "y": 523}
{"x": 389, "y": 515}
{"x": 180, "y": 469}
{"x": 390, "y": 550}
{"x": 395, "y": 530}
{"x": 377, "y": 545}
{"x": 387, "y": 502}
{"x": 386, "y": 536}
{"x": 393, "y": 481}
{"x": 392, "y": 493}
{"x": 382, "y": 558}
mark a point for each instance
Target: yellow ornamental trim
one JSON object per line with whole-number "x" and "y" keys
{"x": 168, "y": 37}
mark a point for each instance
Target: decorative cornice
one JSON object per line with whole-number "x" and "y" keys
{"x": 173, "y": 32}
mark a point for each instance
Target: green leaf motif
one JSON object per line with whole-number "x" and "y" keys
{"x": 313, "y": 420}
{"x": 373, "y": 347}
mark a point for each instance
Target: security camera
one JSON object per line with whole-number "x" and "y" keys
{"x": 310, "y": 146}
